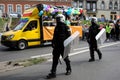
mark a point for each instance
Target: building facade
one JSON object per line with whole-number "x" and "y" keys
{"x": 110, "y": 9}
{"x": 18, "y": 6}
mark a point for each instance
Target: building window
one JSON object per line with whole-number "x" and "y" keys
{"x": 91, "y": 5}
{"x": 2, "y": 8}
{"x": 74, "y": 4}
{"x": 10, "y": 8}
{"x": 102, "y": 5}
{"x": 26, "y": 6}
{"x": 80, "y": 4}
{"x": 116, "y": 6}
{"x": 94, "y": 6}
{"x": 88, "y": 6}
{"x": 110, "y": 5}
{"x": 19, "y": 8}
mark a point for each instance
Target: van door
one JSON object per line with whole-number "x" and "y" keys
{"x": 32, "y": 33}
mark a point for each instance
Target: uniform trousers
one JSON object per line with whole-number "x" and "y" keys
{"x": 56, "y": 54}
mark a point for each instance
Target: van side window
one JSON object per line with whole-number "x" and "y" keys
{"x": 31, "y": 26}
{"x": 49, "y": 23}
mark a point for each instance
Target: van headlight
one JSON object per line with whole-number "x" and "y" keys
{"x": 10, "y": 37}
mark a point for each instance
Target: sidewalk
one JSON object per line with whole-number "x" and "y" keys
{"x": 16, "y": 64}
{"x": 5, "y": 66}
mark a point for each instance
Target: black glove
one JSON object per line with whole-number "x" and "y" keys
{"x": 88, "y": 40}
{"x": 53, "y": 45}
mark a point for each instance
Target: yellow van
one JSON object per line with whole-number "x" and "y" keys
{"x": 30, "y": 31}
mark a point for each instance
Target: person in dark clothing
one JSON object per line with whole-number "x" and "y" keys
{"x": 7, "y": 28}
{"x": 117, "y": 29}
{"x": 93, "y": 31}
{"x": 112, "y": 33}
{"x": 61, "y": 32}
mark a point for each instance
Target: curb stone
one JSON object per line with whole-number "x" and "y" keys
{"x": 4, "y": 66}
{"x": 12, "y": 65}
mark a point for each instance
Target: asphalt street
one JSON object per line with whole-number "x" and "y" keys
{"x": 7, "y": 54}
{"x": 105, "y": 69}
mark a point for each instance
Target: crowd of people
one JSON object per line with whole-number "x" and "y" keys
{"x": 112, "y": 30}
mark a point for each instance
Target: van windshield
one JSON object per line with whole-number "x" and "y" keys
{"x": 19, "y": 26}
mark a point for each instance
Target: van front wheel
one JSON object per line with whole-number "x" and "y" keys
{"x": 22, "y": 44}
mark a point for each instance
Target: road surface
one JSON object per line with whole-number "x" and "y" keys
{"x": 106, "y": 69}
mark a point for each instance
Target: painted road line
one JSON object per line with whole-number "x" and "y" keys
{"x": 44, "y": 55}
{"x": 109, "y": 44}
{"x": 80, "y": 48}
{"x": 78, "y": 52}
{"x": 104, "y": 45}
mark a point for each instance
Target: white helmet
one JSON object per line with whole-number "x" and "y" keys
{"x": 60, "y": 18}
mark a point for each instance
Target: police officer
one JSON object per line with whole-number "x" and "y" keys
{"x": 93, "y": 31}
{"x": 61, "y": 32}
{"x": 117, "y": 29}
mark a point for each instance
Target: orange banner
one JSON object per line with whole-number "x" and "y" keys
{"x": 49, "y": 31}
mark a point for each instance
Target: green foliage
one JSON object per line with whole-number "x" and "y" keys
{"x": 14, "y": 22}
{"x": 4, "y": 20}
{"x": 30, "y": 62}
{"x": 1, "y": 24}
{"x": 101, "y": 23}
{"x": 87, "y": 22}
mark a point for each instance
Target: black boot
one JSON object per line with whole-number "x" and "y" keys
{"x": 68, "y": 66}
{"x": 91, "y": 60}
{"x": 99, "y": 54}
{"x": 51, "y": 75}
{"x": 68, "y": 72}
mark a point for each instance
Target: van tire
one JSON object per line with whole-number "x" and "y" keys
{"x": 22, "y": 44}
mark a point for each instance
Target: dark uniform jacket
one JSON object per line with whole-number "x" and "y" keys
{"x": 61, "y": 32}
{"x": 117, "y": 28}
{"x": 93, "y": 31}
